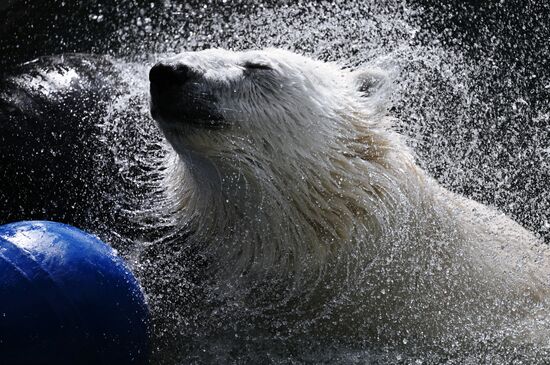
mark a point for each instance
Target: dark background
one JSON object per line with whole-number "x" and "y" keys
{"x": 492, "y": 145}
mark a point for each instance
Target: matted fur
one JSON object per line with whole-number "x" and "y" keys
{"x": 306, "y": 193}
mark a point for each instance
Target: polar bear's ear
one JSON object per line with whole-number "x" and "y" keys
{"x": 370, "y": 80}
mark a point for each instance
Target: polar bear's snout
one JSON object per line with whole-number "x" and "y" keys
{"x": 180, "y": 96}
{"x": 163, "y": 75}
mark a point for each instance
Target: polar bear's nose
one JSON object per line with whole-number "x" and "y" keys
{"x": 164, "y": 75}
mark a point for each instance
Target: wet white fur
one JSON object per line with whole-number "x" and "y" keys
{"x": 311, "y": 187}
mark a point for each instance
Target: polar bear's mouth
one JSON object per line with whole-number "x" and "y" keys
{"x": 184, "y": 117}
{"x": 183, "y": 108}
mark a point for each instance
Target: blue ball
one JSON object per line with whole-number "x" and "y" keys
{"x": 67, "y": 298}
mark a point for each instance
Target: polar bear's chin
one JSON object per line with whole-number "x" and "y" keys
{"x": 194, "y": 124}
{"x": 192, "y": 119}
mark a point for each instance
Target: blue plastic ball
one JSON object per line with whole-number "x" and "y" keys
{"x": 67, "y": 298}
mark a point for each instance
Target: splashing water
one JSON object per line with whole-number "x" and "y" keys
{"x": 477, "y": 119}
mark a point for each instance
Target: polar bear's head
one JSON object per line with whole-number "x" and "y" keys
{"x": 266, "y": 131}
{"x": 218, "y": 101}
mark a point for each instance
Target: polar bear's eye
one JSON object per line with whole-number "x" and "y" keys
{"x": 256, "y": 66}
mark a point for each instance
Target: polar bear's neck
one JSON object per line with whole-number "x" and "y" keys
{"x": 260, "y": 215}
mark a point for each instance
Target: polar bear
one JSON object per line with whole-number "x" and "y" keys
{"x": 316, "y": 220}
